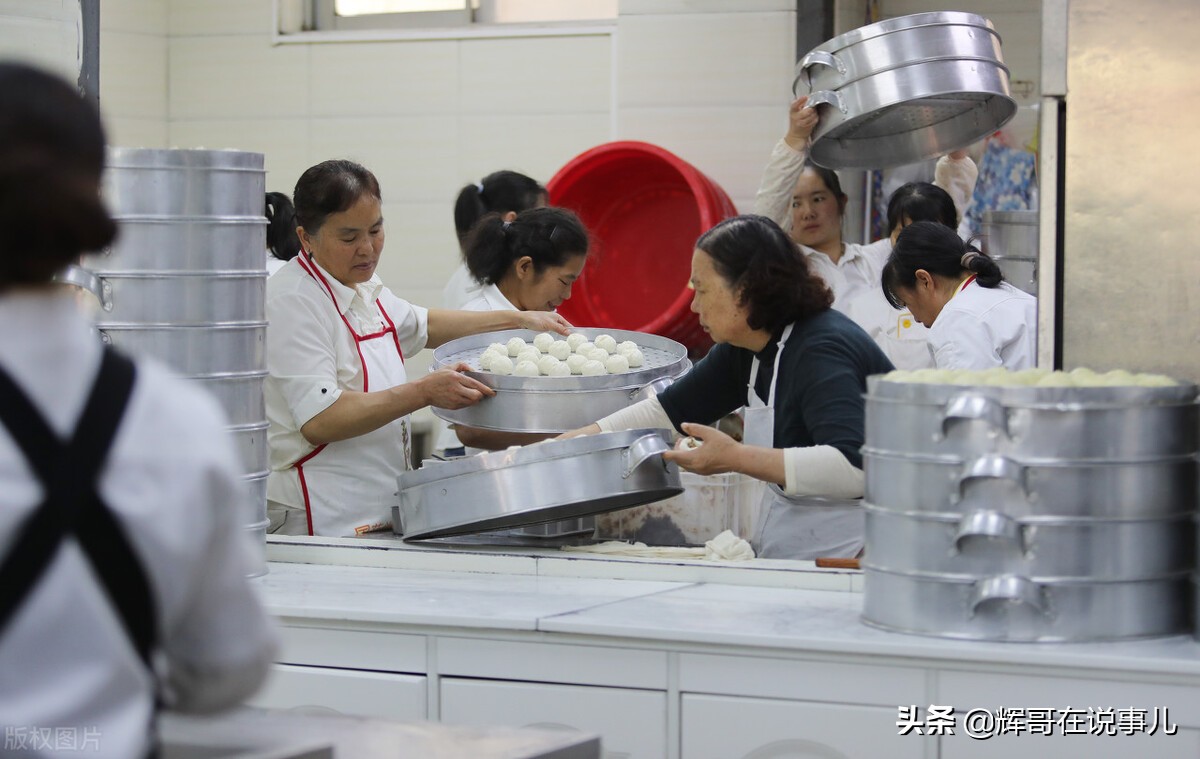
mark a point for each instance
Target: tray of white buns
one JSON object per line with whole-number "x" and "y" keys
{"x": 546, "y": 382}
{"x": 534, "y": 484}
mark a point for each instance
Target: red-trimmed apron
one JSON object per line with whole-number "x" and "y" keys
{"x": 349, "y": 487}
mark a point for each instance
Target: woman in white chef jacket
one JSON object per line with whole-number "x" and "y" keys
{"x": 808, "y": 202}
{"x": 338, "y": 397}
{"x": 975, "y": 319}
{"x": 122, "y": 560}
{"x": 799, "y": 369}
{"x": 528, "y": 263}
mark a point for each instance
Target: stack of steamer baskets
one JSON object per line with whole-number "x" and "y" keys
{"x": 185, "y": 283}
{"x": 1030, "y": 513}
{"x": 644, "y": 208}
{"x": 552, "y": 480}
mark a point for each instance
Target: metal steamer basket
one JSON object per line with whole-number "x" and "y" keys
{"x": 905, "y": 89}
{"x": 559, "y": 404}
{"x": 535, "y": 484}
{"x": 1030, "y": 513}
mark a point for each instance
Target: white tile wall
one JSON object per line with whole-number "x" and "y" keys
{"x": 133, "y": 74}
{"x": 284, "y": 143}
{"x": 384, "y": 79}
{"x": 212, "y": 17}
{"x": 135, "y": 133}
{"x": 641, "y": 7}
{"x": 537, "y": 145}
{"x": 726, "y": 59}
{"x": 141, "y": 16}
{"x": 44, "y": 34}
{"x": 535, "y": 75}
{"x": 240, "y": 77}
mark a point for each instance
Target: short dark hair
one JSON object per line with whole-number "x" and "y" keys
{"x": 550, "y": 236}
{"x": 51, "y": 159}
{"x": 281, "y": 227}
{"x": 499, "y": 192}
{"x": 331, "y": 187}
{"x": 938, "y": 250}
{"x": 921, "y": 201}
{"x": 766, "y": 270}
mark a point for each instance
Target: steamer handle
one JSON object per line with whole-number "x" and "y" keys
{"x": 989, "y": 525}
{"x": 969, "y": 406}
{"x": 992, "y": 467}
{"x": 640, "y": 451}
{"x": 826, "y": 97}
{"x": 816, "y": 58}
{"x": 651, "y": 389}
{"x": 87, "y": 280}
{"x": 990, "y": 592}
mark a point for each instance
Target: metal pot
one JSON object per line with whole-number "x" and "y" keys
{"x": 185, "y": 183}
{"x": 239, "y": 393}
{"x": 1011, "y": 607}
{"x": 176, "y": 297}
{"x": 1032, "y": 423}
{"x": 559, "y": 404}
{"x": 195, "y": 350}
{"x": 251, "y": 443}
{"x": 152, "y": 243}
{"x": 535, "y": 484}
{"x": 1011, "y": 237}
{"x": 1107, "y": 490}
{"x": 985, "y": 542}
{"x": 906, "y": 89}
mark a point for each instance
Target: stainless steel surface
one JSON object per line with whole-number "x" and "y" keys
{"x": 1100, "y": 489}
{"x": 239, "y": 393}
{"x": 153, "y": 243}
{"x": 558, "y": 404}
{"x": 983, "y": 543}
{"x": 183, "y": 297}
{"x": 195, "y": 350}
{"x": 905, "y": 89}
{"x": 1131, "y": 275}
{"x": 1011, "y": 237}
{"x": 1036, "y": 423}
{"x": 1012, "y": 607}
{"x": 185, "y": 183}
{"x": 548, "y": 481}
{"x": 250, "y": 440}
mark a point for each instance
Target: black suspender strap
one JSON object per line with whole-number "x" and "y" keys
{"x": 72, "y": 507}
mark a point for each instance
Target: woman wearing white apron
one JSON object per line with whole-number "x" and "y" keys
{"x": 337, "y": 393}
{"x": 976, "y": 320}
{"x": 808, "y": 202}
{"x": 765, "y": 309}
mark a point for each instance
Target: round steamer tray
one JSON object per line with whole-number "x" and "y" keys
{"x": 558, "y": 404}
{"x": 535, "y": 484}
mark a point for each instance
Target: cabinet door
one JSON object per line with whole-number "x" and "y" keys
{"x": 725, "y": 727}
{"x": 632, "y": 724}
{"x": 343, "y": 691}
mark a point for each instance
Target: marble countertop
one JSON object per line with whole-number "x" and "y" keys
{"x": 690, "y": 613}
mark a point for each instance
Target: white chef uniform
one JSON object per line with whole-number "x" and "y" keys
{"x": 984, "y": 327}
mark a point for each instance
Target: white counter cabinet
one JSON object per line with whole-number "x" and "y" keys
{"x": 694, "y": 670}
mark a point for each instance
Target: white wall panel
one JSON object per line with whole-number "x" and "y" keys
{"x": 45, "y": 34}
{"x": 209, "y": 17}
{"x": 726, "y": 59}
{"x": 141, "y": 16}
{"x": 537, "y": 145}
{"x": 420, "y": 250}
{"x": 135, "y": 133}
{"x": 384, "y": 79}
{"x": 237, "y": 77}
{"x": 536, "y": 75}
{"x": 133, "y": 75}
{"x": 642, "y": 7}
{"x": 413, "y": 157}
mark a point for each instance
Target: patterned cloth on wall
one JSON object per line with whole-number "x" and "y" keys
{"x": 1007, "y": 182}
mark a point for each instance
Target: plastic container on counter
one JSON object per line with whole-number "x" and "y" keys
{"x": 708, "y": 505}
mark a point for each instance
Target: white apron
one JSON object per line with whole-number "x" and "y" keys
{"x": 349, "y": 487}
{"x": 801, "y": 527}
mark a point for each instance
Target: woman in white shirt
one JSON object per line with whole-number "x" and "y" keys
{"x": 337, "y": 394}
{"x": 527, "y": 264}
{"x": 975, "y": 319}
{"x": 122, "y": 562}
{"x": 808, "y": 202}
{"x": 504, "y": 192}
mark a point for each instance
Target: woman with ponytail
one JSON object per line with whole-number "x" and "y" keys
{"x": 798, "y": 368}
{"x": 976, "y": 320}
{"x": 502, "y": 192}
{"x": 282, "y": 243}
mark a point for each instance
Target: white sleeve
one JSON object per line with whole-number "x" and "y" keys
{"x": 412, "y": 322}
{"x": 219, "y": 649}
{"x": 957, "y": 178}
{"x": 783, "y": 170}
{"x": 821, "y": 470}
{"x": 301, "y": 354}
{"x": 647, "y": 414}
